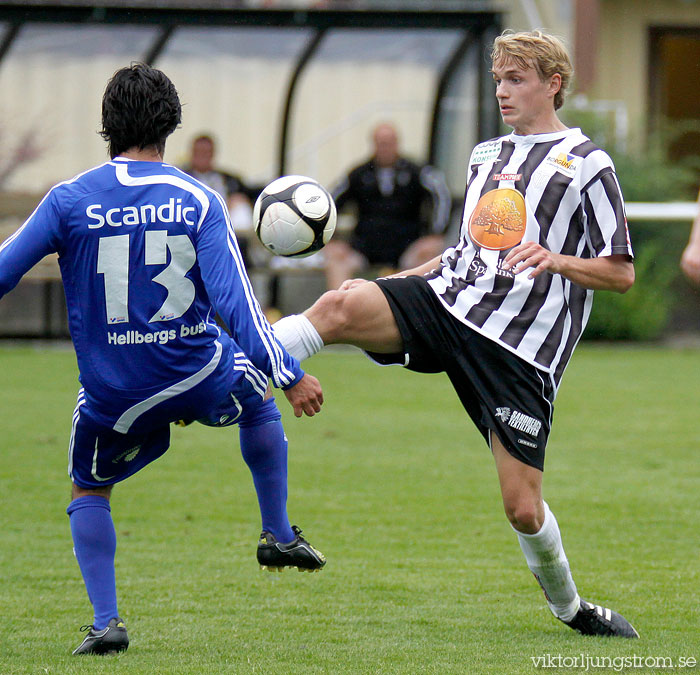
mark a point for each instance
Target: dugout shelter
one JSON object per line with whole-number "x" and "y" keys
{"x": 282, "y": 90}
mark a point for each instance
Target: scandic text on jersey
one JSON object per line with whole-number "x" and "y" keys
{"x": 170, "y": 212}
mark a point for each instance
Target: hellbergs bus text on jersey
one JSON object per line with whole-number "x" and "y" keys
{"x": 170, "y": 212}
{"x": 161, "y": 337}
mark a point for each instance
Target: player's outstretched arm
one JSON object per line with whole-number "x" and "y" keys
{"x": 415, "y": 271}
{"x": 421, "y": 269}
{"x": 606, "y": 273}
{"x": 306, "y": 396}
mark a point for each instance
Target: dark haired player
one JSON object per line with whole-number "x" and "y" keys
{"x": 148, "y": 257}
{"x": 502, "y": 311}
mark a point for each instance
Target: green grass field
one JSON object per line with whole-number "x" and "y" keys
{"x": 391, "y": 481}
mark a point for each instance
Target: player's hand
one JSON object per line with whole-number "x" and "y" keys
{"x": 349, "y": 284}
{"x": 530, "y": 255}
{"x": 306, "y": 396}
{"x": 690, "y": 262}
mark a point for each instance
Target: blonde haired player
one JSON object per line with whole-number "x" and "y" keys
{"x": 502, "y": 311}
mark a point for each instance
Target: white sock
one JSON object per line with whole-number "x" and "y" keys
{"x": 298, "y": 336}
{"x": 547, "y": 561}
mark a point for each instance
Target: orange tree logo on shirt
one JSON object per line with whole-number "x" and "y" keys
{"x": 497, "y": 222}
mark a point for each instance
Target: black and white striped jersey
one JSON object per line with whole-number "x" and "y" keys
{"x": 558, "y": 189}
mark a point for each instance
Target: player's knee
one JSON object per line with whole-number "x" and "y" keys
{"x": 334, "y": 310}
{"x": 523, "y": 515}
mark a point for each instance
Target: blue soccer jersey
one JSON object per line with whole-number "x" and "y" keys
{"x": 148, "y": 257}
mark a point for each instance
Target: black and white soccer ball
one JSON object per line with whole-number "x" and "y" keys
{"x": 294, "y": 216}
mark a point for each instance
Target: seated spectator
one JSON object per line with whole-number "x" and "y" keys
{"x": 390, "y": 194}
{"x": 239, "y": 196}
{"x": 202, "y": 167}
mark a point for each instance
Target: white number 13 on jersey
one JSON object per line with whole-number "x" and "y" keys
{"x": 113, "y": 263}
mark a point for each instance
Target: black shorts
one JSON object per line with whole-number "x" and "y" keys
{"x": 500, "y": 391}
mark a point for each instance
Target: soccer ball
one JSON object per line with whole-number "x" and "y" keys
{"x": 294, "y": 216}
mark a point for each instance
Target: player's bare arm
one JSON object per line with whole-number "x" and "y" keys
{"x": 608, "y": 273}
{"x": 306, "y": 396}
{"x": 420, "y": 270}
{"x": 415, "y": 271}
{"x": 690, "y": 260}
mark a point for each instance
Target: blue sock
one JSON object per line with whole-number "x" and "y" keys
{"x": 264, "y": 449}
{"x": 95, "y": 543}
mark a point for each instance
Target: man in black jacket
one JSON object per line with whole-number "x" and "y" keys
{"x": 391, "y": 195}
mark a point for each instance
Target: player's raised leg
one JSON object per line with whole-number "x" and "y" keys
{"x": 360, "y": 316}
{"x": 540, "y": 540}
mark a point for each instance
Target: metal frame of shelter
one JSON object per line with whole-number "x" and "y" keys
{"x": 476, "y": 24}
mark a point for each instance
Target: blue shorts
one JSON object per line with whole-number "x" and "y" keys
{"x": 100, "y": 456}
